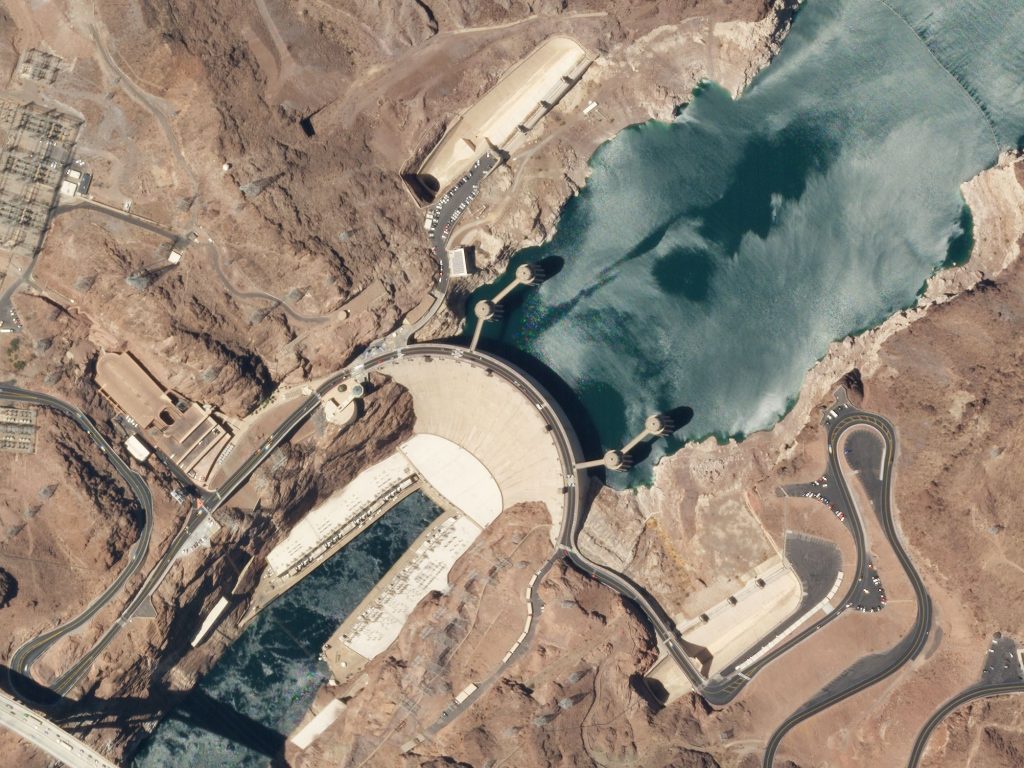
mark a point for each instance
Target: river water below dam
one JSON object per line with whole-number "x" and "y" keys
{"x": 259, "y": 691}
{"x": 709, "y": 262}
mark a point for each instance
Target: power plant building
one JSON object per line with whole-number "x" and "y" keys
{"x": 188, "y": 435}
{"x": 514, "y": 106}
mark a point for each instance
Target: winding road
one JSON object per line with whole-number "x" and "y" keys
{"x": 275, "y": 301}
{"x": 721, "y": 691}
{"x": 387, "y": 350}
{"x": 971, "y": 694}
{"x": 572, "y": 513}
{"x": 398, "y": 345}
{"x": 912, "y": 644}
{"x": 27, "y": 654}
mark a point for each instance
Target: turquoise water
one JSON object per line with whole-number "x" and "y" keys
{"x": 257, "y": 693}
{"x": 709, "y": 262}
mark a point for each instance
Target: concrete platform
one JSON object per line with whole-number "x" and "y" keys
{"x": 308, "y": 733}
{"x": 488, "y": 417}
{"x": 733, "y": 627}
{"x": 456, "y": 474}
{"x": 337, "y": 512}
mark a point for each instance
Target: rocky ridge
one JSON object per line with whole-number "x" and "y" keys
{"x": 274, "y": 167}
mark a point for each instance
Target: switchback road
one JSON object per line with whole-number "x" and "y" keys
{"x": 911, "y": 645}
{"x": 27, "y": 654}
{"x": 724, "y": 689}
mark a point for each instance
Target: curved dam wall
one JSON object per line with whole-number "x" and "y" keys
{"x": 487, "y": 416}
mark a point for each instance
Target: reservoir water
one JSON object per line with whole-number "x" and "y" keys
{"x": 257, "y": 693}
{"x": 709, "y": 262}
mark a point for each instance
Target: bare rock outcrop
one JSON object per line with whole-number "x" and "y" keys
{"x": 8, "y": 588}
{"x": 709, "y": 474}
{"x": 987, "y": 733}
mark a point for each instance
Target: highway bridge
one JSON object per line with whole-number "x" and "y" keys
{"x": 59, "y": 744}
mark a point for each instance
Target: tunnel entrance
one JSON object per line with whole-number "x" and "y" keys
{"x": 424, "y": 186}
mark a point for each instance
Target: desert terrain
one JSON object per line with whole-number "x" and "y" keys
{"x": 578, "y": 697}
{"x": 39, "y": 549}
{"x": 272, "y": 138}
{"x": 201, "y": 127}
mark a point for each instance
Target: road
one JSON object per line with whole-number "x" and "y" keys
{"x": 211, "y": 501}
{"x": 973, "y": 693}
{"x": 27, "y": 654}
{"x": 572, "y": 513}
{"x": 56, "y": 742}
{"x": 71, "y": 676}
{"x": 275, "y": 301}
{"x": 728, "y": 685}
{"x": 8, "y": 317}
{"x": 146, "y": 101}
{"x": 386, "y": 351}
{"x": 391, "y": 348}
{"x": 394, "y": 348}
{"x": 378, "y": 355}
{"x": 570, "y": 455}
{"x": 454, "y": 709}
{"x": 81, "y": 204}
{"x": 446, "y": 213}
{"x": 847, "y": 417}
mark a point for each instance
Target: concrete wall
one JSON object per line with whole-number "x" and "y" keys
{"x": 496, "y": 116}
{"x": 490, "y": 419}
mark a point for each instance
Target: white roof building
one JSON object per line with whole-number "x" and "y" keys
{"x": 136, "y": 448}
{"x": 338, "y": 512}
{"x": 458, "y": 262}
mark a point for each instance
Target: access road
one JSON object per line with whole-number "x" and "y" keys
{"x": 724, "y": 688}
{"x": 910, "y": 646}
{"x": 971, "y": 694}
{"x": 54, "y": 741}
{"x": 27, "y": 654}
